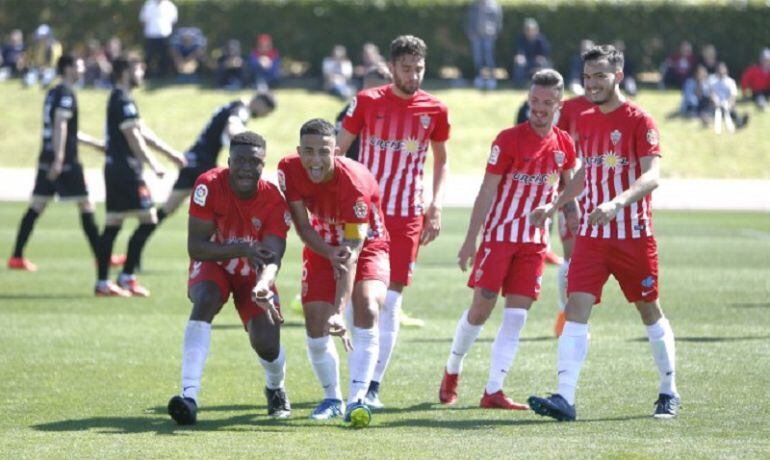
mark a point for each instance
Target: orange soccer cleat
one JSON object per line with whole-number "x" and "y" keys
{"x": 498, "y": 400}
{"x": 110, "y": 290}
{"x": 447, "y": 393}
{"x": 20, "y": 263}
{"x": 133, "y": 287}
{"x": 561, "y": 318}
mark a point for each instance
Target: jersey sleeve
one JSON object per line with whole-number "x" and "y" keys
{"x": 287, "y": 182}
{"x": 279, "y": 220}
{"x": 500, "y": 156}
{"x": 127, "y": 112}
{"x": 202, "y": 199}
{"x": 241, "y": 113}
{"x": 354, "y": 117}
{"x": 570, "y": 153}
{"x": 647, "y": 138}
{"x": 441, "y": 132}
{"x": 65, "y": 104}
{"x": 357, "y": 201}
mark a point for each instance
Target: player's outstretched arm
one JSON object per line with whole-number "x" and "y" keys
{"x": 270, "y": 255}
{"x": 481, "y": 207}
{"x": 200, "y": 246}
{"x": 344, "y": 140}
{"x": 432, "y": 226}
{"x": 136, "y": 141}
{"x": 155, "y": 142}
{"x": 91, "y": 141}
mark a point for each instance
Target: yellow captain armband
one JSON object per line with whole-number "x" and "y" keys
{"x": 355, "y": 232}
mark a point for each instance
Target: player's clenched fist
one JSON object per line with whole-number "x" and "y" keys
{"x": 264, "y": 297}
{"x": 539, "y": 215}
{"x": 604, "y": 213}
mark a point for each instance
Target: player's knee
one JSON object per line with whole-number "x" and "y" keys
{"x": 649, "y": 311}
{"x": 268, "y": 352}
{"x": 38, "y": 204}
{"x": 206, "y": 304}
{"x": 85, "y": 206}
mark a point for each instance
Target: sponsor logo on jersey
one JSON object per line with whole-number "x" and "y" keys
{"x": 425, "y": 121}
{"x": 615, "y": 137}
{"x": 256, "y": 223}
{"x": 408, "y": 145}
{"x": 281, "y": 180}
{"x": 652, "y": 137}
{"x": 200, "y": 194}
{"x": 552, "y": 179}
{"x": 360, "y": 209}
{"x": 558, "y": 156}
{"x": 533, "y": 179}
{"x": 494, "y": 155}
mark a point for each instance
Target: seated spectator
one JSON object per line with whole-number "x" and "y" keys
{"x": 629, "y": 70}
{"x": 44, "y": 53}
{"x": 533, "y": 53}
{"x": 113, "y": 49}
{"x": 755, "y": 81}
{"x": 230, "y": 73}
{"x": 13, "y": 55}
{"x": 370, "y": 59}
{"x": 188, "y": 51}
{"x": 98, "y": 67}
{"x": 678, "y": 67}
{"x": 708, "y": 58}
{"x": 575, "y": 74}
{"x": 265, "y": 63}
{"x": 696, "y": 96}
{"x": 724, "y": 92}
{"x": 337, "y": 73}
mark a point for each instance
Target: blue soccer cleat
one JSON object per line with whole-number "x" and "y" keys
{"x": 667, "y": 406}
{"x": 554, "y": 406}
{"x": 327, "y": 409}
{"x": 358, "y": 415}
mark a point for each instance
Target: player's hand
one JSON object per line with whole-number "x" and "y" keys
{"x": 466, "y": 254}
{"x": 55, "y": 170}
{"x": 540, "y": 215}
{"x": 178, "y": 159}
{"x": 604, "y": 213}
{"x": 259, "y": 256}
{"x": 336, "y": 324}
{"x": 159, "y": 171}
{"x": 264, "y": 297}
{"x": 431, "y": 226}
{"x": 339, "y": 259}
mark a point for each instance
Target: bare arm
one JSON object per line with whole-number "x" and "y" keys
{"x": 59, "y": 141}
{"x": 139, "y": 147}
{"x": 481, "y": 207}
{"x": 200, "y": 246}
{"x": 642, "y": 186}
{"x": 234, "y": 126}
{"x": 566, "y": 198}
{"x": 432, "y": 224}
{"x": 272, "y": 251}
{"x": 155, "y": 142}
{"x": 344, "y": 140}
{"x": 306, "y": 232}
{"x": 91, "y": 141}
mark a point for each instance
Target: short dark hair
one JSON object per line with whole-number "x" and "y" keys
{"x": 64, "y": 61}
{"x": 407, "y": 44}
{"x": 548, "y": 78}
{"x": 121, "y": 64}
{"x": 267, "y": 98}
{"x": 317, "y": 126}
{"x": 248, "y": 138}
{"x": 608, "y": 52}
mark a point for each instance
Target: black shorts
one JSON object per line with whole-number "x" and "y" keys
{"x": 188, "y": 176}
{"x": 127, "y": 194}
{"x": 71, "y": 183}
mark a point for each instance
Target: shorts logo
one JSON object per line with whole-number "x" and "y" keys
{"x": 352, "y": 107}
{"x": 196, "y": 269}
{"x": 558, "y": 156}
{"x": 256, "y": 223}
{"x": 281, "y": 180}
{"x": 652, "y": 137}
{"x": 425, "y": 121}
{"x": 538, "y": 283}
{"x": 200, "y": 194}
{"x": 360, "y": 209}
{"x": 287, "y": 218}
{"x": 615, "y": 137}
{"x": 648, "y": 282}
{"x": 479, "y": 273}
{"x": 494, "y": 155}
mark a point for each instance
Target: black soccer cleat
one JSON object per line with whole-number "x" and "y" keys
{"x": 372, "y": 398}
{"x": 183, "y": 410}
{"x": 554, "y": 406}
{"x": 667, "y": 406}
{"x": 278, "y": 405}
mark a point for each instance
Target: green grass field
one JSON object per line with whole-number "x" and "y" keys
{"x": 82, "y": 377}
{"x": 178, "y": 115}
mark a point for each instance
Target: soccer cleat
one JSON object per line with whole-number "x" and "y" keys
{"x": 110, "y": 290}
{"x": 554, "y": 406}
{"x": 20, "y": 263}
{"x": 358, "y": 415}
{"x": 132, "y": 286}
{"x": 667, "y": 406}
{"x": 447, "y": 393}
{"x": 327, "y": 409}
{"x": 558, "y": 327}
{"x": 278, "y": 405}
{"x": 117, "y": 260}
{"x": 372, "y": 398}
{"x": 498, "y": 400}
{"x": 409, "y": 321}
{"x": 552, "y": 258}
{"x": 183, "y": 410}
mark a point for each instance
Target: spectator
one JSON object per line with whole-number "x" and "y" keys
{"x": 575, "y": 74}
{"x": 265, "y": 63}
{"x": 755, "y": 81}
{"x": 98, "y": 67}
{"x": 158, "y": 18}
{"x": 13, "y": 54}
{"x": 113, "y": 49}
{"x": 370, "y": 59}
{"x": 696, "y": 96}
{"x": 484, "y": 23}
{"x": 533, "y": 53}
{"x": 44, "y": 53}
{"x": 338, "y": 73}
{"x": 708, "y": 58}
{"x": 188, "y": 51}
{"x": 230, "y": 68}
{"x": 629, "y": 70}
{"x": 678, "y": 67}
{"x": 724, "y": 92}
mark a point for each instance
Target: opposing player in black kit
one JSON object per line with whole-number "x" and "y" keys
{"x": 59, "y": 170}
{"x": 128, "y": 138}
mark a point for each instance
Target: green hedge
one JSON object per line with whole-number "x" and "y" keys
{"x": 306, "y": 29}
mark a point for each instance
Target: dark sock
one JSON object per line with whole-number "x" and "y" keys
{"x": 88, "y": 223}
{"x": 135, "y": 246}
{"x": 25, "y": 229}
{"x": 161, "y": 215}
{"x": 105, "y": 250}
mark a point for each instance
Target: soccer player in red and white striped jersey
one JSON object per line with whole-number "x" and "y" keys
{"x": 620, "y": 152}
{"x": 525, "y": 166}
{"x": 397, "y": 123}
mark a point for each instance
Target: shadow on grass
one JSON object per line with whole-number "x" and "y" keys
{"x": 544, "y": 338}
{"x": 710, "y": 339}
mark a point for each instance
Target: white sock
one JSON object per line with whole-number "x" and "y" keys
{"x": 573, "y": 348}
{"x": 504, "y": 347}
{"x": 389, "y": 325}
{"x": 326, "y": 365}
{"x": 275, "y": 371}
{"x": 561, "y": 280}
{"x": 465, "y": 334}
{"x": 664, "y": 352}
{"x": 361, "y": 361}
{"x": 348, "y": 315}
{"x": 197, "y": 339}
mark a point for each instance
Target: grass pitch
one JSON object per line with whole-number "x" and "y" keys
{"x": 82, "y": 377}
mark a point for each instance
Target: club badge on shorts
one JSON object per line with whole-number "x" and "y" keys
{"x": 200, "y": 194}
{"x": 615, "y": 137}
{"x": 360, "y": 209}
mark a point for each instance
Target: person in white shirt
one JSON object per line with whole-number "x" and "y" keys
{"x": 158, "y": 18}
{"x": 724, "y": 92}
{"x": 338, "y": 72}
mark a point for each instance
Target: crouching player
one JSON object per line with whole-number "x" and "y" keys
{"x": 346, "y": 253}
{"x": 236, "y": 238}
{"x": 525, "y": 165}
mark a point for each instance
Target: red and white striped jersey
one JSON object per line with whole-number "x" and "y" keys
{"x": 395, "y": 134}
{"x": 532, "y": 166}
{"x": 568, "y": 115}
{"x": 611, "y": 146}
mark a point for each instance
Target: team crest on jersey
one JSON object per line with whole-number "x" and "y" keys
{"x": 615, "y": 137}
{"x": 200, "y": 194}
{"x": 352, "y": 107}
{"x": 360, "y": 209}
{"x": 287, "y": 218}
{"x": 425, "y": 121}
{"x": 558, "y": 156}
{"x": 256, "y": 223}
{"x": 494, "y": 155}
{"x": 281, "y": 180}
{"x": 652, "y": 137}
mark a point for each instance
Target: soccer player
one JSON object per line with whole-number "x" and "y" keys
{"x": 236, "y": 239}
{"x": 59, "y": 172}
{"x": 346, "y": 254}
{"x": 620, "y": 152}
{"x": 525, "y": 166}
{"x": 397, "y": 123}
{"x": 127, "y": 194}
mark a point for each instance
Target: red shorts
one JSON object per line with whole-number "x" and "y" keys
{"x": 564, "y": 232}
{"x": 404, "y": 244}
{"x": 633, "y": 262}
{"x": 318, "y": 283}
{"x": 509, "y": 268}
{"x": 240, "y": 286}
